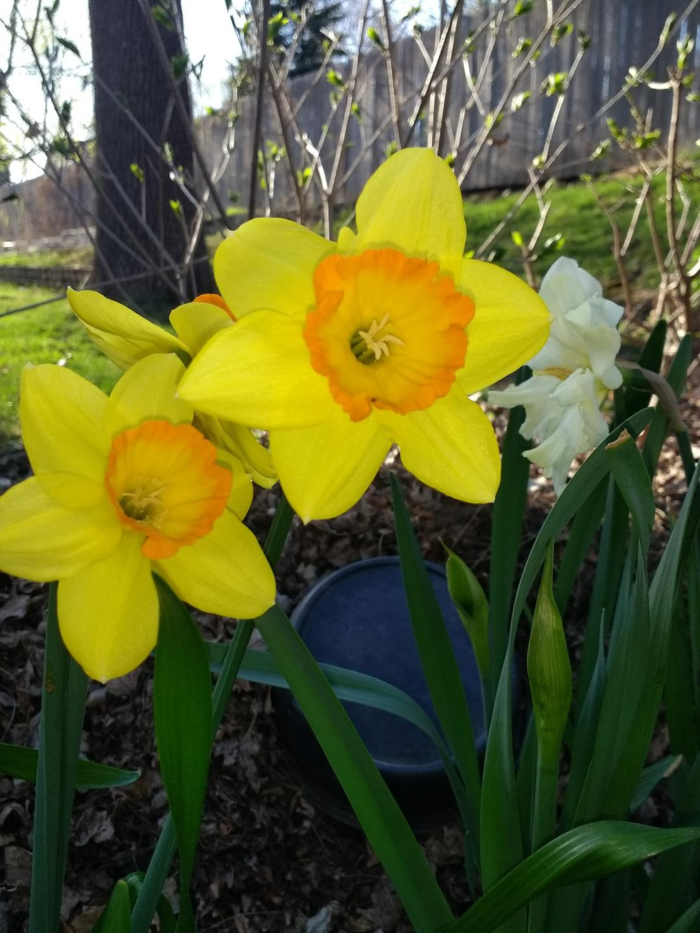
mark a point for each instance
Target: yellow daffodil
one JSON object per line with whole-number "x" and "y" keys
{"x": 342, "y": 350}
{"x": 124, "y": 486}
{"x": 125, "y": 338}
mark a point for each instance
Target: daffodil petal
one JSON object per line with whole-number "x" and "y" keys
{"x": 450, "y": 446}
{"x": 412, "y": 202}
{"x": 242, "y": 443}
{"x": 268, "y": 264}
{"x": 148, "y": 391}
{"x": 61, "y": 415}
{"x": 123, "y": 336}
{"x": 108, "y": 612}
{"x": 53, "y": 525}
{"x": 511, "y": 323}
{"x": 324, "y": 470}
{"x": 197, "y": 321}
{"x": 241, "y": 495}
{"x": 224, "y": 572}
{"x": 258, "y": 373}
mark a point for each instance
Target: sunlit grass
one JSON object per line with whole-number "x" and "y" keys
{"x": 50, "y": 334}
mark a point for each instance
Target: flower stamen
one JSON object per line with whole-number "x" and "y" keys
{"x": 369, "y": 346}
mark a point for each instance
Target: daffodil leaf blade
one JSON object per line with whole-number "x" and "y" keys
{"x": 583, "y": 854}
{"x": 19, "y": 762}
{"x": 377, "y": 811}
{"x": 183, "y": 724}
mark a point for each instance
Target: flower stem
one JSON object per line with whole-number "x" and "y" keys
{"x": 62, "y": 712}
{"x": 159, "y": 866}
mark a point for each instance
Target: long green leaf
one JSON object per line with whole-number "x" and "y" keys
{"x": 583, "y": 530}
{"x": 689, "y": 922}
{"x": 506, "y": 533}
{"x": 674, "y": 885}
{"x": 377, "y": 811}
{"x": 582, "y": 854}
{"x": 352, "y": 687}
{"x": 660, "y": 424}
{"x": 501, "y": 839}
{"x": 117, "y": 914}
{"x": 62, "y": 711}
{"x": 183, "y": 730}
{"x": 437, "y": 657}
{"x": 19, "y": 762}
{"x": 155, "y": 877}
{"x": 651, "y": 777}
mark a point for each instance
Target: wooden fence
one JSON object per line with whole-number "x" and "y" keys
{"x": 624, "y": 33}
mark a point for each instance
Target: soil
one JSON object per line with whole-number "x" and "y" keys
{"x": 268, "y": 860}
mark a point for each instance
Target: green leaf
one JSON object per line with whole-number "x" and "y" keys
{"x": 627, "y": 467}
{"x": 377, "y": 811}
{"x": 62, "y": 711}
{"x": 149, "y": 892}
{"x": 660, "y": 424}
{"x": 583, "y": 530}
{"x": 688, "y": 923}
{"x": 260, "y": 667}
{"x": 582, "y": 854}
{"x": 437, "y": 657}
{"x": 651, "y": 776}
{"x": 673, "y": 885}
{"x": 506, "y": 534}
{"x": 183, "y": 730}
{"x": 19, "y": 762}
{"x": 501, "y": 847}
{"x": 67, "y": 44}
{"x": 117, "y": 914}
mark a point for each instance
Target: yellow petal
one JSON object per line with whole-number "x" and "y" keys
{"x": 61, "y": 415}
{"x": 224, "y": 572}
{"x": 511, "y": 323}
{"x": 53, "y": 525}
{"x": 123, "y": 336}
{"x": 108, "y": 612}
{"x": 412, "y": 202}
{"x": 241, "y": 494}
{"x": 268, "y": 264}
{"x": 450, "y": 446}
{"x": 325, "y": 470}
{"x": 147, "y": 391}
{"x": 242, "y": 443}
{"x": 197, "y": 321}
{"x": 258, "y": 373}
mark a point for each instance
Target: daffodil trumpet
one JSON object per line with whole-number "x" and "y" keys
{"x": 343, "y": 349}
{"x": 125, "y": 338}
{"x": 124, "y": 486}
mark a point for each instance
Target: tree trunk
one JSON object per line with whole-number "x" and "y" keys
{"x": 143, "y": 217}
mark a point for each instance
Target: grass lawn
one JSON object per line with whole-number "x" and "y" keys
{"x": 50, "y": 334}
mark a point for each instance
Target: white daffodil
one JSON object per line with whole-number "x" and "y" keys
{"x": 573, "y": 372}
{"x": 584, "y": 331}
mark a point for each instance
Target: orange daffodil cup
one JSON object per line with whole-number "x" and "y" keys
{"x": 341, "y": 350}
{"x": 124, "y": 486}
{"x": 125, "y": 338}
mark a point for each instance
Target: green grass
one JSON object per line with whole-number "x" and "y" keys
{"x": 48, "y": 258}
{"x": 576, "y": 215}
{"x": 43, "y": 335}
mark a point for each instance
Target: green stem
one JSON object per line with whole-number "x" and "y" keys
{"x": 159, "y": 866}
{"x": 544, "y": 815}
{"x": 62, "y": 713}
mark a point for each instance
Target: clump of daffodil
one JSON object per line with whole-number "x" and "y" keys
{"x": 572, "y": 374}
{"x": 124, "y": 486}
{"x": 342, "y": 350}
{"x": 125, "y": 338}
